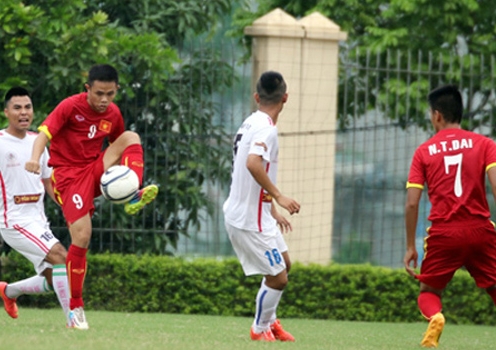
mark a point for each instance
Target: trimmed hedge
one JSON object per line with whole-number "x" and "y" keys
{"x": 130, "y": 283}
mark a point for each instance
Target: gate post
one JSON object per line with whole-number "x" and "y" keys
{"x": 305, "y": 52}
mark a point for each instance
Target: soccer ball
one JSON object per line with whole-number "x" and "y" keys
{"x": 119, "y": 184}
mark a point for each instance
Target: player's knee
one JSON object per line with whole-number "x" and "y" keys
{"x": 57, "y": 255}
{"x": 130, "y": 138}
{"x": 278, "y": 282}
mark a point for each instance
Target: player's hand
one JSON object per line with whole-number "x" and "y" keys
{"x": 289, "y": 204}
{"x": 283, "y": 223}
{"x": 411, "y": 256}
{"x": 32, "y": 166}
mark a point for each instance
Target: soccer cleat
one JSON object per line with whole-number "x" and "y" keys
{"x": 142, "y": 198}
{"x": 434, "y": 330}
{"x": 264, "y": 336}
{"x": 9, "y": 304}
{"x": 77, "y": 319}
{"x": 280, "y": 333}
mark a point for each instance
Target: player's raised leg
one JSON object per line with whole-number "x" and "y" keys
{"x": 128, "y": 151}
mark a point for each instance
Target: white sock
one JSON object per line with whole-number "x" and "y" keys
{"x": 32, "y": 285}
{"x": 266, "y": 304}
{"x": 273, "y": 317}
{"x": 61, "y": 287}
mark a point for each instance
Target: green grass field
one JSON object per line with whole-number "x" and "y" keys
{"x": 43, "y": 329}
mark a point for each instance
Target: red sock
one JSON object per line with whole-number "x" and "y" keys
{"x": 429, "y": 304}
{"x": 492, "y": 294}
{"x": 76, "y": 271}
{"x": 132, "y": 157}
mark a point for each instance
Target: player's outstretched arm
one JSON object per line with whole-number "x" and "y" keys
{"x": 256, "y": 168}
{"x": 33, "y": 165}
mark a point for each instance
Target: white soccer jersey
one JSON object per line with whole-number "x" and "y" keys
{"x": 21, "y": 192}
{"x": 248, "y": 206}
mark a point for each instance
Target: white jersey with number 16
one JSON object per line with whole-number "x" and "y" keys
{"x": 248, "y": 206}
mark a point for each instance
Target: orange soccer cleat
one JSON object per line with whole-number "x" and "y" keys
{"x": 264, "y": 336}
{"x": 9, "y": 304}
{"x": 434, "y": 330}
{"x": 280, "y": 333}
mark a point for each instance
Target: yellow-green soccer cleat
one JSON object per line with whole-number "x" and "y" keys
{"x": 434, "y": 330}
{"x": 143, "y": 197}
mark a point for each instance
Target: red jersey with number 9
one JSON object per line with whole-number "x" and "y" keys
{"x": 77, "y": 132}
{"x": 453, "y": 165}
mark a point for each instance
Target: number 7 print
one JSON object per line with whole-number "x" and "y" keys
{"x": 455, "y": 160}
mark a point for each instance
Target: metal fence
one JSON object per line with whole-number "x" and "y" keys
{"x": 375, "y": 141}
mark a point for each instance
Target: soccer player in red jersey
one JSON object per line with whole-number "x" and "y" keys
{"x": 76, "y": 129}
{"x": 453, "y": 164}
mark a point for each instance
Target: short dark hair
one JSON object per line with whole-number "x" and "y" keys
{"x": 15, "y": 91}
{"x": 447, "y": 100}
{"x": 271, "y": 87}
{"x": 103, "y": 72}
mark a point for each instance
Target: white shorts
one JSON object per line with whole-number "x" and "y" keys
{"x": 260, "y": 253}
{"x": 33, "y": 241}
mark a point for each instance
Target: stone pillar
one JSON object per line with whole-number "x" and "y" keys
{"x": 305, "y": 52}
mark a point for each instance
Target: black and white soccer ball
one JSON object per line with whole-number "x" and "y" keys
{"x": 119, "y": 184}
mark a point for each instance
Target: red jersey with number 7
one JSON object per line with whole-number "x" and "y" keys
{"x": 453, "y": 164}
{"x": 77, "y": 132}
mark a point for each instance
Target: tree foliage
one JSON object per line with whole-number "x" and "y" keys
{"x": 48, "y": 47}
{"x": 455, "y": 34}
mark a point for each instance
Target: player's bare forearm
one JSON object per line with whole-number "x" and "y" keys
{"x": 411, "y": 214}
{"x": 33, "y": 165}
{"x": 256, "y": 168}
{"x": 49, "y": 189}
{"x": 411, "y": 218}
{"x": 491, "y": 175}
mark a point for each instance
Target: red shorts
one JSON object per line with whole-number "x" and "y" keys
{"x": 449, "y": 248}
{"x": 76, "y": 188}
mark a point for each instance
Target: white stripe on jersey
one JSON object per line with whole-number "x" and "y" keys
{"x": 21, "y": 192}
{"x": 245, "y": 207}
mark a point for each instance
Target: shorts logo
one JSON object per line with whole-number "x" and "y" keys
{"x": 27, "y": 198}
{"x": 137, "y": 164}
{"x": 78, "y": 271}
{"x": 105, "y": 126}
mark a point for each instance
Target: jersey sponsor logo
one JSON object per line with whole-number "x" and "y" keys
{"x": 12, "y": 160}
{"x": 266, "y": 198}
{"x": 79, "y": 118}
{"x": 105, "y": 126}
{"x": 27, "y": 198}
